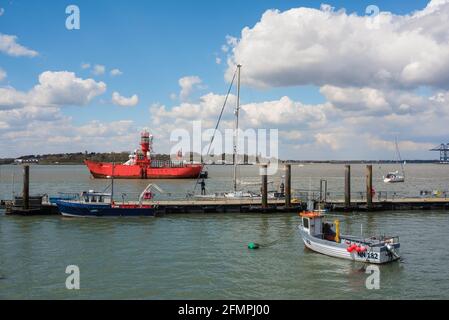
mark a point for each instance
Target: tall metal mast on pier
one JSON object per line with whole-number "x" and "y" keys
{"x": 236, "y": 133}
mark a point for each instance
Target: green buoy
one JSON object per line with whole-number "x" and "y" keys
{"x": 253, "y": 246}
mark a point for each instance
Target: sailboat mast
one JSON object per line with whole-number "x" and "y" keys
{"x": 236, "y": 133}
{"x": 399, "y": 156}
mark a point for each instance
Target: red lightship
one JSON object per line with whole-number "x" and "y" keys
{"x": 141, "y": 166}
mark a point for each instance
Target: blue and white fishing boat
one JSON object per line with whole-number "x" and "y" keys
{"x": 100, "y": 204}
{"x": 325, "y": 238}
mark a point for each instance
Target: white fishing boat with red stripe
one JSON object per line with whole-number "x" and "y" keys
{"x": 325, "y": 238}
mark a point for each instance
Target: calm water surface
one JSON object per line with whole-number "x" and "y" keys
{"x": 205, "y": 256}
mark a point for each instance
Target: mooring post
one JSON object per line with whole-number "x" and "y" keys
{"x": 288, "y": 185}
{"x": 347, "y": 186}
{"x": 26, "y": 187}
{"x": 369, "y": 186}
{"x": 264, "y": 186}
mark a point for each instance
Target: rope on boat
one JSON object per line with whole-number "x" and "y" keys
{"x": 216, "y": 127}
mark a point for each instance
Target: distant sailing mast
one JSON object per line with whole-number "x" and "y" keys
{"x": 236, "y": 133}
{"x": 394, "y": 177}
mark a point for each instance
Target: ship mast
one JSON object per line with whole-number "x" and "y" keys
{"x": 236, "y": 133}
{"x": 399, "y": 155}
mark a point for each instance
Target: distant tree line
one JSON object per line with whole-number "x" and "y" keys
{"x": 79, "y": 157}
{"x": 121, "y": 157}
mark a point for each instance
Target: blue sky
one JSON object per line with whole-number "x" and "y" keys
{"x": 153, "y": 44}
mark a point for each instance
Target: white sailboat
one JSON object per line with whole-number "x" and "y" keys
{"x": 235, "y": 193}
{"x": 396, "y": 176}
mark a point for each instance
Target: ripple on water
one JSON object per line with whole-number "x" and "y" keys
{"x": 206, "y": 257}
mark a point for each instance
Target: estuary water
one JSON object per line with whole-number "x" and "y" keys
{"x": 206, "y": 256}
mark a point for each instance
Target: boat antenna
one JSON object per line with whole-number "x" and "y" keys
{"x": 112, "y": 182}
{"x": 216, "y": 126}
{"x": 236, "y": 133}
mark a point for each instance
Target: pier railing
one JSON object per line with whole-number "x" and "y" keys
{"x": 360, "y": 196}
{"x": 165, "y": 164}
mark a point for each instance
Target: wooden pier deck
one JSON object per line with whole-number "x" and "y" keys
{"x": 222, "y": 206}
{"x": 211, "y": 206}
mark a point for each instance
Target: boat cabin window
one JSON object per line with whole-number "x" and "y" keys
{"x": 305, "y": 223}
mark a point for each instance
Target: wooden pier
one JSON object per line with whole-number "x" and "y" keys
{"x": 36, "y": 205}
{"x": 224, "y": 206}
{"x": 27, "y": 205}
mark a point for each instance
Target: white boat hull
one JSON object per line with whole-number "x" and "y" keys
{"x": 394, "y": 177}
{"x": 396, "y": 180}
{"x": 339, "y": 250}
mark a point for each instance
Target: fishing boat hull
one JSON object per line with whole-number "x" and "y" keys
{"x": 104, "y": 170}
{"x": 75, "y": 209}
{"x": 373, "y": 255}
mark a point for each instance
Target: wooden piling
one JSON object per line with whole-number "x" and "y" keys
{"x": 26, "y": 187}
{"x": 347, "y": 186}
{"x": 264, "y": 186}
{"x": 369, "y": 186}
{"x": 288, "y": 185}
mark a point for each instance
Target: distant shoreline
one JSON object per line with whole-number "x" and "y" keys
{"x": 122, "y": 157}
{"x": 298, "y": 162}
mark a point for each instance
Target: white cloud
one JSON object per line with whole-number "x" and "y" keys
{"x": 85, "y": 65}
{"x": 115, "y": 72}
{"x": 294, "y": 135}
{"x": 356, "y": 99}
{"x": 31, "y": 122}
{"x": 64, "y": 88}
{"x": 187, "y": 85}
{"x": 2, "y": 11}
{"x": 207, "y": 109}
{"x": 55, "y": 89}
{"x": 119, "y": 100}
{"x": 217, "y": 60}
{"x": 11, "y": 98}
{"x": 331, "y": 130}
{"x": 231, "y": 41}
{"x": 99, "y": 70}
{"x": 325, "y": 47}
{"x": 284, "y": 111}
{"x": 9, "y": 46}
{"x": 3, "y": 74}
{"x": 38, "y": 137}
{"x": 97, "y": 128}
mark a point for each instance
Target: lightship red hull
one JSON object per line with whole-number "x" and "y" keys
{"x": 103, "y": 170}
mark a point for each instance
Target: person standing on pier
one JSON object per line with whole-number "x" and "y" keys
{"x": 282, "y": 189}
{"x": 203, "y": 187}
